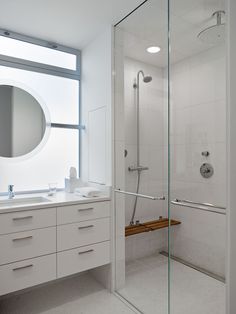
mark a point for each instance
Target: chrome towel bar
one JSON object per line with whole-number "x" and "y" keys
{"x": 202, "y": 206}
{"x": 154, "y": 198}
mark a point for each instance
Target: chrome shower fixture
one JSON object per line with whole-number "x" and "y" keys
{"x": 146, "y": 79}
{"x": 139, "y": 168}
{"x": 214, "y": 34}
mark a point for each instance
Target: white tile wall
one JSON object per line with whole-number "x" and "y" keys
{"x": 198, "y": 123}
{"x": 152, "y": 153}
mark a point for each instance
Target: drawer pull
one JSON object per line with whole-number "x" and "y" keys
{"x": 88, "y": 251}
{"x": 86, "y": 227}
{"x": 23, "y": 267}
{"x": 24, "y": 238}
{"x": 21, "y": 218}
{"x": 85, "y": 209}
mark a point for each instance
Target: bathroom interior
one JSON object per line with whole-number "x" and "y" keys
{"x": 115, "y": 190}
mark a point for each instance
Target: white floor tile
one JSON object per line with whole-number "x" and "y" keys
{"x": 78, "y": 295}
{"x": 191, "y": 291}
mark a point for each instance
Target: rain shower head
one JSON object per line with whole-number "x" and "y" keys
{"x": 214, "y": 34}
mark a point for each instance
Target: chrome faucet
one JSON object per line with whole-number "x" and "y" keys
{"x": 11, "y": 193}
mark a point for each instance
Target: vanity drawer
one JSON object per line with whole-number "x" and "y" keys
{"x": 87, "y": 257}
{"x": 24, "y": 274}
{"x": 82, "y": 212}
{"x": 82, "y": 233}
{"x": 28, "y": 244}
{"x": 27, "y": 220}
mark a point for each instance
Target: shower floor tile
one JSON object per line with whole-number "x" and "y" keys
{"x": 191, "y": 291}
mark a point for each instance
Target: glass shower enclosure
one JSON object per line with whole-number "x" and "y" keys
{"x": 170, "y": 157}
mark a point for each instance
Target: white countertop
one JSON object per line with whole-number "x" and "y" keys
{"x": 59, "y": 199}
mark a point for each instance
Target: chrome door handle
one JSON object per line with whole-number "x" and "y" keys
{"x": 154, "y": 198}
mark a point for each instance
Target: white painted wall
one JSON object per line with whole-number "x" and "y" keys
{"x": 96, "y": 103}
{"x": 198, "y": 123}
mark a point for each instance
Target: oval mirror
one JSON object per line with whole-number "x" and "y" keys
{"x": 22, "y": 122}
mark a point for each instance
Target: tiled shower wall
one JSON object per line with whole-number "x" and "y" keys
{"x": 152, "y": 154}
{"x": 198, "y": 123}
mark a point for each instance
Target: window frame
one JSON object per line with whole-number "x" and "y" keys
{"x": 39, "y": 67}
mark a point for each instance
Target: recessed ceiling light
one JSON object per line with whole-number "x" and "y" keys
{"x": 153, "y": 49}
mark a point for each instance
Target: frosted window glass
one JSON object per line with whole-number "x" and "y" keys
{"x": 23, "y": 50}
{"x": 51, "y": 164}
{"x": 59, "y": 94}
{"x": 97, "y": 145}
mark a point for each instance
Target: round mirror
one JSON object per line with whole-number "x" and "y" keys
{"x": 22, "y": 122}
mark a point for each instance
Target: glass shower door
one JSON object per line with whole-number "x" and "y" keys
{"x": 197, "y": 152}
{"x": 170, "y": 157}
{"x": 141, "y": 163}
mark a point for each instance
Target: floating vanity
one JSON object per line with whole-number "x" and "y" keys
{"x": 44, "y": 238}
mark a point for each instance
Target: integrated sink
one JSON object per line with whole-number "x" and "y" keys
{"x": 23, "y": 201}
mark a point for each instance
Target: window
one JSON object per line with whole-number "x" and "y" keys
{"x": 27, "y": 51}
{"x": 57, "y": 91}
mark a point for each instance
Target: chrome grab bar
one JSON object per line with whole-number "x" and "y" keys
{"x": 154, "y": 198}
{"x": 202, "y": 206}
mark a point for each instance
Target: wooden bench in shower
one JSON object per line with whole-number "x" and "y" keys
{"x": 150, "y": 226}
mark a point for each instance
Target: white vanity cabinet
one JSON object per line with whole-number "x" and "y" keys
{"x": 44, "y": 244}
{"x": 83, "y": 237}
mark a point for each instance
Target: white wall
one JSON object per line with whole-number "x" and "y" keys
{"x": 96, "y": 105}
{"x": 198, "y": 123}
{"x": 96, "y": 101}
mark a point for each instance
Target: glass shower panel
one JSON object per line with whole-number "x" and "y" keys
{"x": 197, "y": 156}
{"x": 141, "y": 146}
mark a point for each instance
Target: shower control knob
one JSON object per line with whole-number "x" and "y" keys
{"x": 205, "y": 153}
{"x": 206, "y": 170}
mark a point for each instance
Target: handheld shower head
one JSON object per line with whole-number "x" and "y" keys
{"x": 147, "y": 78}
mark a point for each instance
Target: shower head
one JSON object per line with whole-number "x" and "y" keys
{"x": 147, "y": 78}
{"x": 214, "y": 34}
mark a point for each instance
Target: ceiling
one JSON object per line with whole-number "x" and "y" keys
{"x": 148, "y": 26}
{"x": 73, "y": 23}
